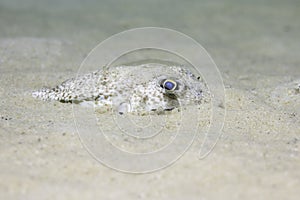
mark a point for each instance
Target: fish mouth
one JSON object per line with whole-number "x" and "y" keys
{"x": 171, "y": 95}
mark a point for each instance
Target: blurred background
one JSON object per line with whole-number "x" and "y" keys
{"x": 254, "y": 43}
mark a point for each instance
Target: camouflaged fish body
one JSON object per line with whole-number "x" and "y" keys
{"x": 130, "y": 88}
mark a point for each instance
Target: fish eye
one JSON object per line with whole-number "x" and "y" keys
{"x": 169, "y": 84}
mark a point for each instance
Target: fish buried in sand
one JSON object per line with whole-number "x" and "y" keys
{"x": 134, "y": 89}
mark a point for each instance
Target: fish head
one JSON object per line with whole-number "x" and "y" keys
{"x": 182, "y": 85}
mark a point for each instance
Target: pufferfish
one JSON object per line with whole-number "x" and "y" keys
{"x": 130, "y": 89}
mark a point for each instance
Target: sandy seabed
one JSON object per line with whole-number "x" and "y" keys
{"x": 256, "y": 47}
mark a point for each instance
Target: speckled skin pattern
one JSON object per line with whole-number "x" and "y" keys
{"x": 132, "y": 89}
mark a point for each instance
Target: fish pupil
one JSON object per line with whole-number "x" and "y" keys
{"x": 169, "y": 85}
